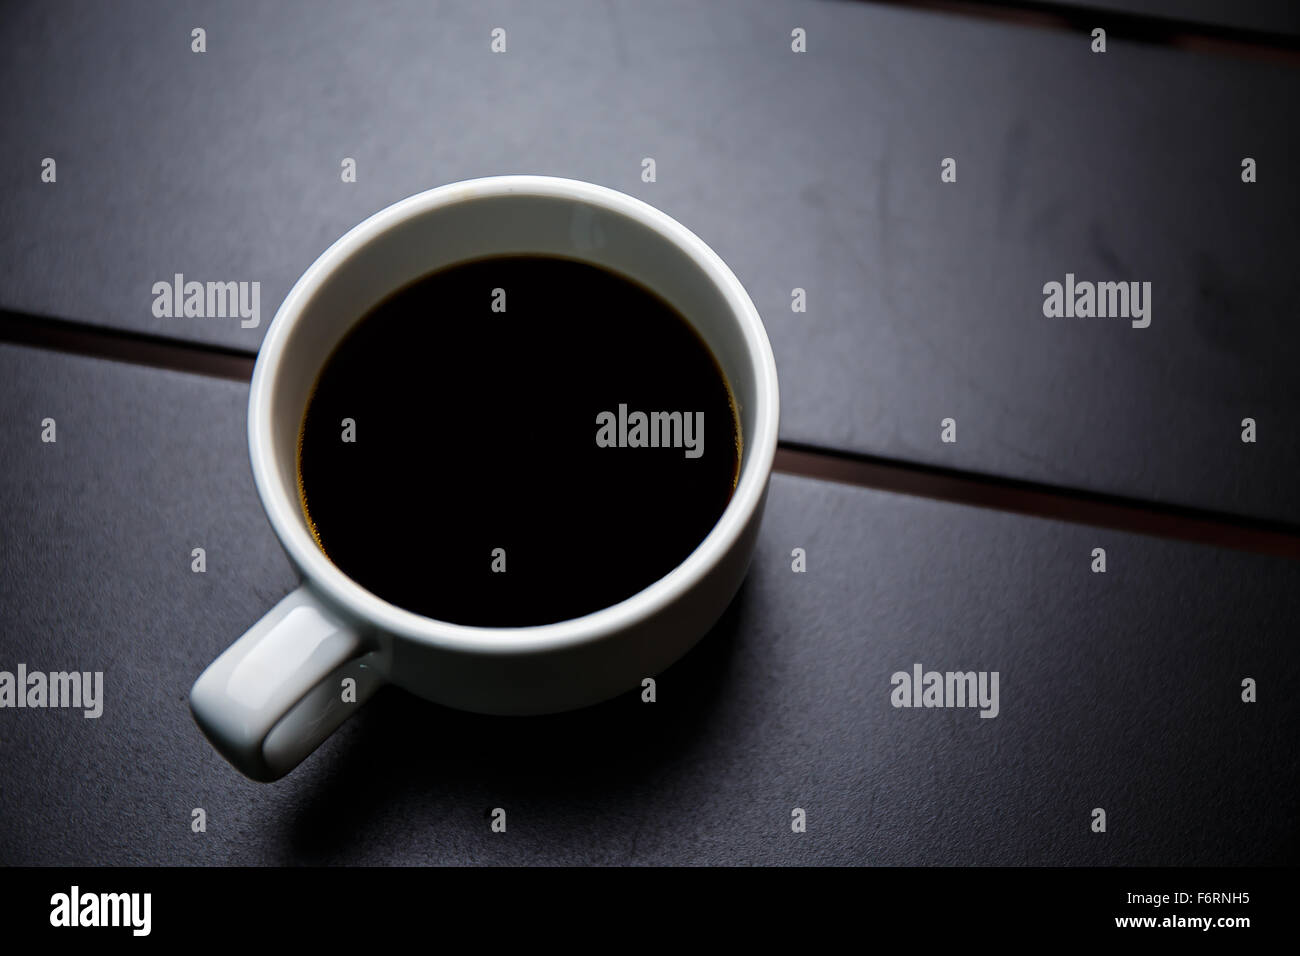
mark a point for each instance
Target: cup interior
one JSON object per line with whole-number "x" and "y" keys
{"x": 498, "y": 216}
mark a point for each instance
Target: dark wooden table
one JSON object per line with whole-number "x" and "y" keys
{"x": 818, "y": 171}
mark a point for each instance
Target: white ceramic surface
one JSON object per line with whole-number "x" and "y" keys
{"x": 271, "y": 698}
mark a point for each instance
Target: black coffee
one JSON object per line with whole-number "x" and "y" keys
{"x": 517, "y": 440}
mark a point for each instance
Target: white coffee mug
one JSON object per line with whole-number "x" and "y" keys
{"x": 272, "y": 697}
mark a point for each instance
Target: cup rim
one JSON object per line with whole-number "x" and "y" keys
{"x": 364, "y": 605}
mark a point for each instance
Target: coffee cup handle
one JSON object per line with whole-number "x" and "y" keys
{"x": 274, "y": 695}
